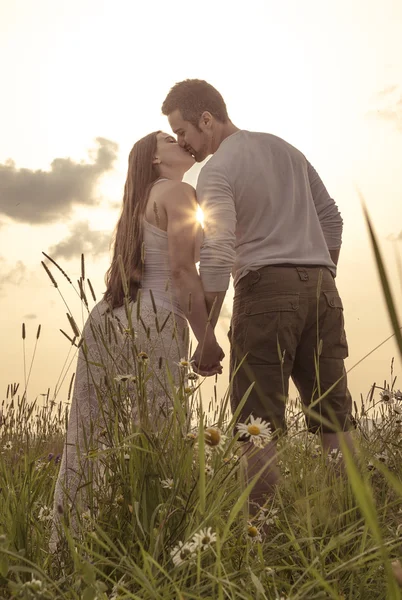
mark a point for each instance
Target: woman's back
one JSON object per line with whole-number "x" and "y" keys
{"x": 157, "y": 271}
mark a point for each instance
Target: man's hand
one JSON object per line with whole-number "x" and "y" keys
{"x": 207, "y": 359}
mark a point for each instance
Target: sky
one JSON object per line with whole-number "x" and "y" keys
{"x": 83, "y": 80}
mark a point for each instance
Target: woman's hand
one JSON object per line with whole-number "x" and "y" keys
{"x": 207, "y": 358}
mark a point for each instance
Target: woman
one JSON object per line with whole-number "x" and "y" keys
{"x": 134, "y": 339}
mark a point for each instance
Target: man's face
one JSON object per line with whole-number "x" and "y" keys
{"x": 196, "y": 141}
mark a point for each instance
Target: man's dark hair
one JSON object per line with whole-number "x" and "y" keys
{"x": 193, "y": 97}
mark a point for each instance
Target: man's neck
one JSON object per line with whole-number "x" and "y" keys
{"x": 225, "y": 130}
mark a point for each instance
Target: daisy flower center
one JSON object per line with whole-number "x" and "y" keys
{"x": 184, "y": 553}
{"x": 213, "y": 436}
{"x": 252, "y": 531}
{"x": 254, "y": 430}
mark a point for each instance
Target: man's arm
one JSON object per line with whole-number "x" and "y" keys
{"x": 214, "y": 301}
{"x": 217, "y": 254}
{"x": 328, "y": 214}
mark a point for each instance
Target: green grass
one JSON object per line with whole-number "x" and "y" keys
{"x": 326, "y": 536}
{"x": 326, "y": 533}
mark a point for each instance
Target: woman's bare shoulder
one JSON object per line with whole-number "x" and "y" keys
{"x": 171, "y": 188}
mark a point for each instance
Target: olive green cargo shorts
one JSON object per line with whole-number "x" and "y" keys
{"x": 288, "y": 322}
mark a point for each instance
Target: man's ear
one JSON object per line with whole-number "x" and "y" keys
{"x": 156, "y": 160}
{"x": 205, "y": 121}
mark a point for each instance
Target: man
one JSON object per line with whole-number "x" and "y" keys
{"x": 270, "y": 221}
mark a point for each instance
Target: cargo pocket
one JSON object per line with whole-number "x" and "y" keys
{"x": 271, "y": 319}
{"x": 332, "y": 334}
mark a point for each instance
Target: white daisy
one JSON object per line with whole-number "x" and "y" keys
{"x": 257, "y": 430}
{"x": 204, "y": 538}
{"x": 214, "y": 438}
{"x": 398, "y": 395}
{"x": 45, "y": 514}
{"x": 334, "y": 455}
{"x": 253, "y": 533}
{"x": 209, "y": 470}
{"x": 167, "y": 483}
{"x": 182, "y": 553}
{"x": 8, "y": 445}
{"x": 184, "y": 363}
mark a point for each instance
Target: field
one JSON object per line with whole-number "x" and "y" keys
{"x": 167, "y": 514}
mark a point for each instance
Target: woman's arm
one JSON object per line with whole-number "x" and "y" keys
{"x": 183, "y": 231}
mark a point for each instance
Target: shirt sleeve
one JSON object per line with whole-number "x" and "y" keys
{"x": 217, "y": 254}
{"x": 327, "y": 210}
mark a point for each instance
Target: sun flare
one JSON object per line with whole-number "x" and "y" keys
{"x": 200, "y": 216}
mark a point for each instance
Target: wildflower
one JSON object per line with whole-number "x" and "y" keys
{"x": 335, "y": 455}
{"x": 209, "y": 470}
{"x": 119, "y": 500}
{"x": 193, "y": 377}
{"x": 142, "y": 357}
{"x": 50, "y": 456}
{"x": 126, "y": 457}
{"x": 57, "y": 459}
{"x": 253, "y": 533}
{"x": 182, "y": 553}
{"x": 191, "y": 436}
{"x": 386, "y": 396}
{"x": 189, "y": 391}
{"x": 167, "y": 483}
{"x": 8, "y": 445}
{"x": 267, "y": 516}
{"x": 124, "y": 378}
{"x": 382, "y": 457}
{"x": 35, "y": 585}
{"x": 398, "y": 395}
{"x": 204, "y": 538}
{"x": 184, "y": 363}
{"x": 45, "y": 514}
{"x": 214, "y": 438}
{"x": 257, "y": 430}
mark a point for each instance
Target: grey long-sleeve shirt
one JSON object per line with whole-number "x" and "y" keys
{"x": 263, "y": 204}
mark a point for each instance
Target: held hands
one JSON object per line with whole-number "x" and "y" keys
{"x": 207, "y": 358}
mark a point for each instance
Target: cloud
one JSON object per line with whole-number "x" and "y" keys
{"x": 14, "y": 275}
{"x": 82, "y": 240}
{"x": 390, "y": 89}
{"x": 392, "y": 110}
{"x": 40, "y": 196}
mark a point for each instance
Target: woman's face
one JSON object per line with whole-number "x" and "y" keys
{"x": 169, "y": 153}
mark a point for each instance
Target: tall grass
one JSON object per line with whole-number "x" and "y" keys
{"x": 167, "y": 513}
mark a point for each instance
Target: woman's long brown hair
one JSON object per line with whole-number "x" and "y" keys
{"x": 128, "y": 237}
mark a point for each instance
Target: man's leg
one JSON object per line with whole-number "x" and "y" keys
{"x": 253, "y": 460}
{"x": 335, "y": 407}
{"x": 266, "y": 327}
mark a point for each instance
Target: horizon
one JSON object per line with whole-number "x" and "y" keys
{"x": 93, "y": 83}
